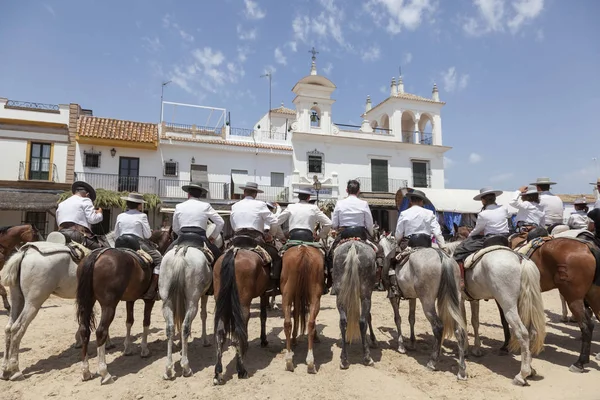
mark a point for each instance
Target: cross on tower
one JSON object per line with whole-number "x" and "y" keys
{"x": 314, "y": 53}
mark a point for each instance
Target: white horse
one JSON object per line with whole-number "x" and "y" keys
{"x": 514, "y": 282}
{"x": 185, "y": 276}
{"x": 431, "y": 276}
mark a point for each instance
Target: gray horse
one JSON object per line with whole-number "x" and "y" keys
{"x": 354, "y": 271}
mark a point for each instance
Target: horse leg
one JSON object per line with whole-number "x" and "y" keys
{"x": 504, "y": 349}
{"x": 240, "y": 351}
{"x": 170, "y": 331}
{"x": 264, "y": 302}
{"x": 203, "y": 315}
{"x": 220, "y": 337}
{"x": 186, "y": 331}
{"x": 4, "y": 298}
{"x": 315, "y": 306}
{"x": 522, "y": 335}
{"x": 108, "y": 314}
{"x": 127, "y": 345}
{"x": 273, "y": 305}
{"x": 343, "y": 325}
{"x": 583, "y": 316}
{"x": 395, "y": 302}
{"x": 17, "y": 330}
{"x": 148, "y": 305}
{"x": 412, "y": 306}
{"x": 18, "y": 303}
{"x": 437, "y": 327}
{"x": 363, "y": 322}
{"x": 373, "y": 340}
{"x": 476, "y": 350}
{"x": 461, "y": 336}
{"x": 286, "y": 304}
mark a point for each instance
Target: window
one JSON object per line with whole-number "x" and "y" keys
{"x": 171, "y": 168}
{"x": 129, "y": 171}
{"x": 91, "y": 159}
{"x": 37, "y": 219}
{"x": 420, "y": 174}
{"x": 199, "y": 173}
{"x": 239, "y": 177}
{"x": 277, "y": 179}
{"x": 39, "y": 161}
{"x": 315, "y": 164}
{"x": 379, "y": 175}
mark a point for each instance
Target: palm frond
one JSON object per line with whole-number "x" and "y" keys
{"x": 110, "y": 198}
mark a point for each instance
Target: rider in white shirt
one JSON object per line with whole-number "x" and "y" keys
{"x": 552, "y": 204}
{"x": 133, "y": 223}
{"x": 597, "y": 184}
{"x": 579, "y": 218}
{"x": 276, "y": 232}
{"x": 531, "y": 212}
{"x": 303, "y": 217}
{"x": 76, "y": 215}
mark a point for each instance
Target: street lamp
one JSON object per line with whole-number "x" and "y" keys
{"x": 317, "y": 187}
{"x": 162, "y": 92}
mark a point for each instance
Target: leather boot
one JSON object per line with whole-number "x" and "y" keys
{"x": 152, "y": 292}
{"x": 393, "y": 290}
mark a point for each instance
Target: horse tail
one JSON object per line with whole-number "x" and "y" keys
{"x": 228, "y": 308}
{"x": 12, "y": 270}
{"x": 85, "y": 293}
{"x": 531, "y": 308}
{"x": 349, "y": 295}
{"x": 300, "y": 302}
{"x": 176, "y": 290}
{"x": 449, "y": 298}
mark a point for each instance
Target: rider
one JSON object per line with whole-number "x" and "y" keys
{"x": 552, "y": 204}
{"x": 597, "y": 184}
{"x": 351, "y": 218}
{"x": 415, "y": 227}
{"x": 191, "y": 217}
{"x": 249, "y": 217}
{"x": 531, "y": 212}
{"x": 134, "y": 222}
{"x": 578, "y": 218}
{"x": 277, "y": 233}
{"x": 594, "y": 222}
{"x": 75, "y": 215}
{"x": 492, "y": 220}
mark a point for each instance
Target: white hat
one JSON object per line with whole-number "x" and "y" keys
{"x": 543, "y": 181}
{"x": 597, "y": 182}
{"x": 134, "y": 198}
{"x": 303, "y": 191}
{"x": 485, "y": 191}
{"x": 580, "y": 200}
{"x": 530, "y": 190}
{"x": 251, "y": 186}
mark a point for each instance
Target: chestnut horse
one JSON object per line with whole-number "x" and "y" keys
{"x": 109, "y": 276}
{"x": 301, "y": 287}
{"x": 10, "y": 238}
{"x": 238, "y": 277}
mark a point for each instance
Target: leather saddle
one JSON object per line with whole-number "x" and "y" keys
{"x": 244, "y": 242}
{"x": 131, "y": 245}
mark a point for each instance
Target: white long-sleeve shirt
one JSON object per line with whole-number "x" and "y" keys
{"x": 196, "y": 213}
{"x": 78, "y": 210}
{"x": 352, "y": 211}
{"x": 303, "y": 215}
{"x": 529, "y": 212}
{"x": 417, "y": 220}
{"x": 578, "y": 220}
{"x": 133, "y": 222}
{"x": 553, "y": 208}
{"x": 252, "y": 214}
{"x": 491, "y": 221}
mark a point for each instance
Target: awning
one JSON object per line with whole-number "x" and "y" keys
{"x": 461, "y": 200}
{"x": 28, "y": 200}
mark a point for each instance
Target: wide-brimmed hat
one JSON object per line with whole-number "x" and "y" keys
{"x": 596, "y": 183}
{"x": 543, "y": 181}
{"x": 85, "y": 186}
{"x": 270, "y": 205}
{"x": 251, "y": 186}
{"x": 530, "y": 190}
{"x": 193, "y": 185}
{"x": 485, "y": 191}
{"x": 579, "y": 201}
{"x": 134, "y": 198}
{"x": 303, "y": 191}
{"x": 418, "y": 194}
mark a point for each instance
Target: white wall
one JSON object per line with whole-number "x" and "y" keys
{"x": 31, "y": 115}
{"x": 149, "y": 159}
{"x": 10, "y": 217}
{"x": 15, "y": 151}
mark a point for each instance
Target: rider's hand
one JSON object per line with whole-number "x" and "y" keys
{"x": 211, "y": 239}
{"x": 523, "y": 189}
{"x": 99, "y": 211}
{"x": 268, "y": 237}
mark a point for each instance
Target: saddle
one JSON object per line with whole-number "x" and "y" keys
{"x": 130, "y": 244}
{"x": 528, "y": 248}
{"x": 404, "y": 256}
{"x": 293, "y": 243}
{"x": 75, "y": 250}
{"x": 210, "y": 257}
{"x": 472, "y": 260}
{"x": 191, "y": 239}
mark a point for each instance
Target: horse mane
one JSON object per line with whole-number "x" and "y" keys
{"x": 5, "y": 229}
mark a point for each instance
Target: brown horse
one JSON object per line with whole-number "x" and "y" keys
{"x": 10, "y": 238}
{"x": 301, "y": 287}
{"x": 163, "y": 239}
{"x": 238, "y": 277}
{"x": 109, "y": 276}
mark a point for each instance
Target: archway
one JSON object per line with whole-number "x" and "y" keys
{"x": 408, "y": 126}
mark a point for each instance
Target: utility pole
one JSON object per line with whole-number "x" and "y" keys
{"x": 269, "y": 75}
{"x": 162, "y": 92}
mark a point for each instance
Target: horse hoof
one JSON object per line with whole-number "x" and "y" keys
{"x": 574, "y": 368}
{"x": 401, "y": 350}
{"x": 310, "y": 368}
{"x": 533, "y": 373}
{"x": 243, "y": 374}
{"x": 264, "y": 343}
{"x": 145, "y": 353}
{"x": 289, "y": 365}
{"x": 187, "y": 372}
{"x": 461, "y": 376}
{"x": 369, "y": 362}
{"x": 478, "y": 352}
{"x": 17, "y": 376}
{"x": 107, "y": 379}
{"x": 519, "y": 381}
{"x": 431, "y": 366}
{"x": 169, "y": 374}
{"x": 564, "y": 319}
{"x": 128, "y": 351}
{"x": 344, "y": 365}
{"x": 218, "y": 380}
{"x": 374, "y": 344}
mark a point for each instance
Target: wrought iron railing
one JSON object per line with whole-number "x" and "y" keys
{"x": 378, "y": 130}
{"x": 273, "y": 193}
{"x": 191, "y": 128}
{"x": 38, "y": 171}
{"x": 241, "y": 132}
{"x": 425, "y": 137}
{"x": 381, "y": 184}
{"x": 119, "y": 183}
{"x": 421, "y": 180}
{"x": 27, "y": 105}
{"x": 171, "y": 188}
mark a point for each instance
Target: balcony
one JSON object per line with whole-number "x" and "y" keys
{"x": 242, "y": 134}
{"x": 357, "y": 128}
{"x": 30, "y": 106}
{"x": 381, "y": 185}
{"x": 171, "y": 189}
{"x": 424, "y": 137}
{"x": 273, "y": 193}
{"x": 38, "y": 171}
{"x": 193, "y": 129}
{"x": 119, "y": 183}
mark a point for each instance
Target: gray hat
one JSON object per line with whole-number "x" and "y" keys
{"x": 580, "y": 200}
{"x": 418, "y": 194}
{"x": 485, "y": 191}
{"x": 251, "y": 186}
{"x": 270, "y": 205}
{"x": 543, "y": 181}
{"x": 530, "y": 190}
{"x": 134, "y": 198}
{"x": 303, "y": 191}
{"x": 596, "y": 183}
{"x": 193, "y": 185}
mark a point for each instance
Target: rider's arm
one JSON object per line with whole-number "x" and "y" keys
{"x": 400, "y": 228}
{"x": 325, "y": 223}
{"x": 90, "y": 213}
{"x": 437, "y": 231}
{"x": 146, "y": 227}
{"x": 368, "y": 219}
{"x": 285, "y": 214}
{"x": 479, "y": 226}
{"x": 214, "y": 216}
{"x": 176, "y": 225}
{"x": 335, "y": 218}
{"x": 269, "y": 219}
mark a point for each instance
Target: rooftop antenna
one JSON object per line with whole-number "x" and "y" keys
{"x": 269, "y": 75}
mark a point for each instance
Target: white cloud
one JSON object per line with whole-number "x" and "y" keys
{"x": 454, "y": 81}
{"x": 153, "y": 45}
{"x": 49, "y": 8}
{"x": 328, "y": 68}
{"x": 475, "y": 158}
{"x": 269, "y": 69}
{"x": 400, "y": 14}
{"x": 292, "y": 46}
{"x": 253, "y": 11}
{"x": 279, "y": 57}
{"x": 246, "y": 34}
{"x": 407, "y": 58}
{"x": 301, "y": 27}
{"x": 384, "y": 90}
{"x": 242, "y": 53}
{"x": 326, "y": 25}
{"x": 493, "y": 17}
{"x": 448, "y": 162}
{"x": 502, "y": 177}
{"x": 525, "y": 10}
{"x": 168, "y": 23}
{"x": 371, "y": 54}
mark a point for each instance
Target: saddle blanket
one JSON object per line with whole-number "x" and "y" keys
{"x": 262, "y": 253}
{"x": 474, "y": 258}
{"x": 144, "y": 258}
{"x": 576, "y": 234}
{"x": 528, "y": 248}
{"x": 75, "y": 250}
{"x": 404, "y": 256}
{"x": 373, "y": 245}
{"x": 293, "y": 243}
{"x": 210, "y": 257}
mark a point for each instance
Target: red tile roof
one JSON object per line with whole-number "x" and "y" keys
{"x": 116, "y": 129}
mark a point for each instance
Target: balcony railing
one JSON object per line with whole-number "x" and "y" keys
{"x": 381, "y": 185}
{"x": 241, "y": 132}
{"x": 192, "y": 128}
{"x": 119, "y": 183}
{"x": 258, "y": 135}
{"x": 353, "y": 128}
{"x": 171, "y": 188}
{"x": 273, "y": 193}
{"x": 421, "y": 180}
{"x": 424, "y": 137}
{"x": 38, "y": 171}
{"x": 29, "y": 106}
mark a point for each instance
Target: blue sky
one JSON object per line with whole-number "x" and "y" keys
{"x": 520, "y": 77}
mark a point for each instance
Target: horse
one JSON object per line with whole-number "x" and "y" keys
{"x": 162, "y": 239}
{"x": 301, "y": 288}
{"x": 354, "y": 272}
{"x": 430, "y": 275}
{"x": 239, "y": 276}
{"x": 10, "y": 238}
{"x": 109, "y": 276}
{"x": 514, "y": 282}
{"x": 185, "y": 277}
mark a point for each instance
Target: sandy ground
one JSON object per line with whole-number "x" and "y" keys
{"x": 51, "y": 365}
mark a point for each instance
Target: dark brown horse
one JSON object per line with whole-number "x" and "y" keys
{"x": 163, "y": 239}
{"x": 301, "y": 288}
{"x": 109, "y": 276}
{"x": 238, "y": 277}
{"x": 10, "y": 238}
